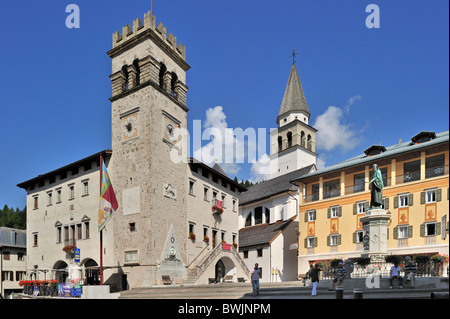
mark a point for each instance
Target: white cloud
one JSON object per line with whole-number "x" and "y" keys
{"x": 260, "y": 169}
{"x": 333, "y": 133}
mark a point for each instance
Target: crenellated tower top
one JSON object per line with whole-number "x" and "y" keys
{"x": 158, "y": 32}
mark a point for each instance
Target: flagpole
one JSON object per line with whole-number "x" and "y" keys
{"x": 101, "y": 231}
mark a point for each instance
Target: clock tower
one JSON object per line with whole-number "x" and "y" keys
{"x": 148, "y": 104}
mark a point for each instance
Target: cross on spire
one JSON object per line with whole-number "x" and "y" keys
{"x": 294, "y": 56}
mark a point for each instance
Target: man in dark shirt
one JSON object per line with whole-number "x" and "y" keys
{"x": 314, "y": 275}
{"x": 340, "y": 275}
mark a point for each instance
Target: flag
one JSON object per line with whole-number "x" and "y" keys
{"x": 108, "y": 201}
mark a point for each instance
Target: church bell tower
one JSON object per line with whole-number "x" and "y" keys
{"x": 148, "y": 105}
{"x": 293, "y": 142}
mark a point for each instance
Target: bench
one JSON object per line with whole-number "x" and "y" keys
{"x": 241, "y": 279}
{"x": 228, "y": 278}
{"x": 167, "y": 280}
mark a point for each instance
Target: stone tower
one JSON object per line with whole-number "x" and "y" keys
{"x": 293, "y": 143}
{"x": 148, "y": 105}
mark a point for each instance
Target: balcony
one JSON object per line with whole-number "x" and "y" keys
{"x": 217, "y": 207}
{"x": 436, "y": 171}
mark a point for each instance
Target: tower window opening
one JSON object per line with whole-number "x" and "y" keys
{"x": 125, "y": 73}
{"x": 138, "y": 72}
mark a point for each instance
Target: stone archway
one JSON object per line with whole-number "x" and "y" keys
{"x": 91, "y": 272}
{"x": 60, "y": 271}
{"x": 225, "y": 268}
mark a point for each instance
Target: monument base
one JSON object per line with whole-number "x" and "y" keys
{"x": 375, "y": 224}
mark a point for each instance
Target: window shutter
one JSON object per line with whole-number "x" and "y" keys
{"x": 438, "y": 228}
{"x": 396, "y": 202}
{"x": 340, "y": 239}
{"x": 422, "y": 198}
{"x": 315, "y": 241}
{"x": 340, "y": 211}
{"x": 410, "y": 231}
{"x": 396, "y": 232}
{"x": 366, "y": 205}
{"x": 411, "y": 199}
{"x": 306, "y": 242}
{"x": 328, "y": 240}
{"x": 439, "y": 195}
{"x": 422, "y": 230}
{"x": 306, "y": 217}
{"x": 355, "y": 209}
{"x": 329, "y": 212}
{"x": 386, "y": 203}
{"x": 354, "y": 237}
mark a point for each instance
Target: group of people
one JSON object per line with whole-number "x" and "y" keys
{"x": 340, "y": 274}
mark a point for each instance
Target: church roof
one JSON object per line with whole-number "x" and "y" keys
{"x": 261, "y": 235}
{"x": 294, "y": 99}
{"x": 274, "y": 186}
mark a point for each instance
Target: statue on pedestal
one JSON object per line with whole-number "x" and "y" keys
{"x": 376, "y": 189}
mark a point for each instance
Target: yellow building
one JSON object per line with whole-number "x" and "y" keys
{"x": 416, "y": 194}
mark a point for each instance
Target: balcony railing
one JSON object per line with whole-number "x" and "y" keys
{"x": 436, "y": 171}
{"x": 332, "y": 193}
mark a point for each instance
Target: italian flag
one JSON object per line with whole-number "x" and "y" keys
{"x": 108, "y": 201}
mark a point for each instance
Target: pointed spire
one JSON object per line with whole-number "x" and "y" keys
{"x": 294, "y": 98}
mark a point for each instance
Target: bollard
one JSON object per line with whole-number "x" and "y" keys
{"x": 358, "y": 294}
{"x": 339, "y": 293}
{"x": 439, "y": 295}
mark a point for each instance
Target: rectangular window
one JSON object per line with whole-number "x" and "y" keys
{"x": 234, "y": 205}
{"x": 49, "y": 198}
{"x": 334, "y": 211}
{"x": 403, "y": 232}
{"x": 359, "y": 182}
{"x": 430, "y": 196}
{"x": 35, "y": 239}
{"x": 245, "y": 253}
{"x": 334, "y": 240}
{"x": 430, "y": 229}
{"x": 310, "y": 242}
{"x": 434, "y": 166}
{"x": 59, "y": 234}
{"x": 58, "y": 196}
{"x": 79, "y": 232}
{"x": 36, "y": 202}
{"x": 205, "y": 193}
{"x": 311, "y": 216}
{"x": 259, "y": 252}
{"x": 403, "y": 200}
{"x": 86, "y": 230}
{"x": 191, "y": 187}
{"x": 359, "y": 237}
{"x": 71, "y": 191}
{"x": 362, "y": 208}
{"x": 85, "y": 188}
{"x": 411, "y": 171}
{"x": 332, "y": 188}
{"x": 132, "y": 227}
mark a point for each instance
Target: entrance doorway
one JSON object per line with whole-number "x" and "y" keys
{"x": 225, "y": 267}
{"x": 91, "y": 272}
{"x": 61, "y": 273}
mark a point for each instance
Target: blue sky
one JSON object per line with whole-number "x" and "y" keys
{"x": 367, "y": 85}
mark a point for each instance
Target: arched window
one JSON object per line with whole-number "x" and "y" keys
{"x": 280, "y": 143}
{"x": 309, "y": 142}
{"x": 138, "y": 72}
{"x": 248, "y": 220}
{"x": 289, "y": 139}
{"x": 172, "y": 84}
{"x": 125, "y": 73}
{"x": 302, "y": 139}
{"x": 162, "y": 71}
{"x": 258, "y": 215}
{"x": 267, "y": 215}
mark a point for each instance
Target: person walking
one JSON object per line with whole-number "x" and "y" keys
{"x": 314, "y": 275}
{"x": 340, "y": 276}
{"x": 255, "y": 275}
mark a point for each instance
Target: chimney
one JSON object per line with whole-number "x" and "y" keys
{"x": 400, "y": 141}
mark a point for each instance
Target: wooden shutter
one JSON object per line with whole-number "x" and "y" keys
{"x": 340, "y": 239}
{"x": 396, "y": 202}
{"x": 306, "y": 217}
{"x": 411, "y": 199}
{"x": 422, "y": 198}
{"x": 386, "y": 203}
{"x": 438, "y": 228}
{"x": 315, "y": 241}
{"x": 306, "y": 242}
{"x": 410, "y": 231}
{"x": 422, "y": 230}
{"x": 355, "y": 209}
{"x": 329, "y": 212}
{"x": 396, "y": 232}
{"x": 340, "y": 211}
{"x": 438, "y": 195}
{"x": 354, "y": 237}
{"x": 328, "y": 240}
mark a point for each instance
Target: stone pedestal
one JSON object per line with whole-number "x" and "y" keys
{"x": 375, "y": 224}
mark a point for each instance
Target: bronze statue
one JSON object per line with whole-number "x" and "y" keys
{"x": 376, "y": 188}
